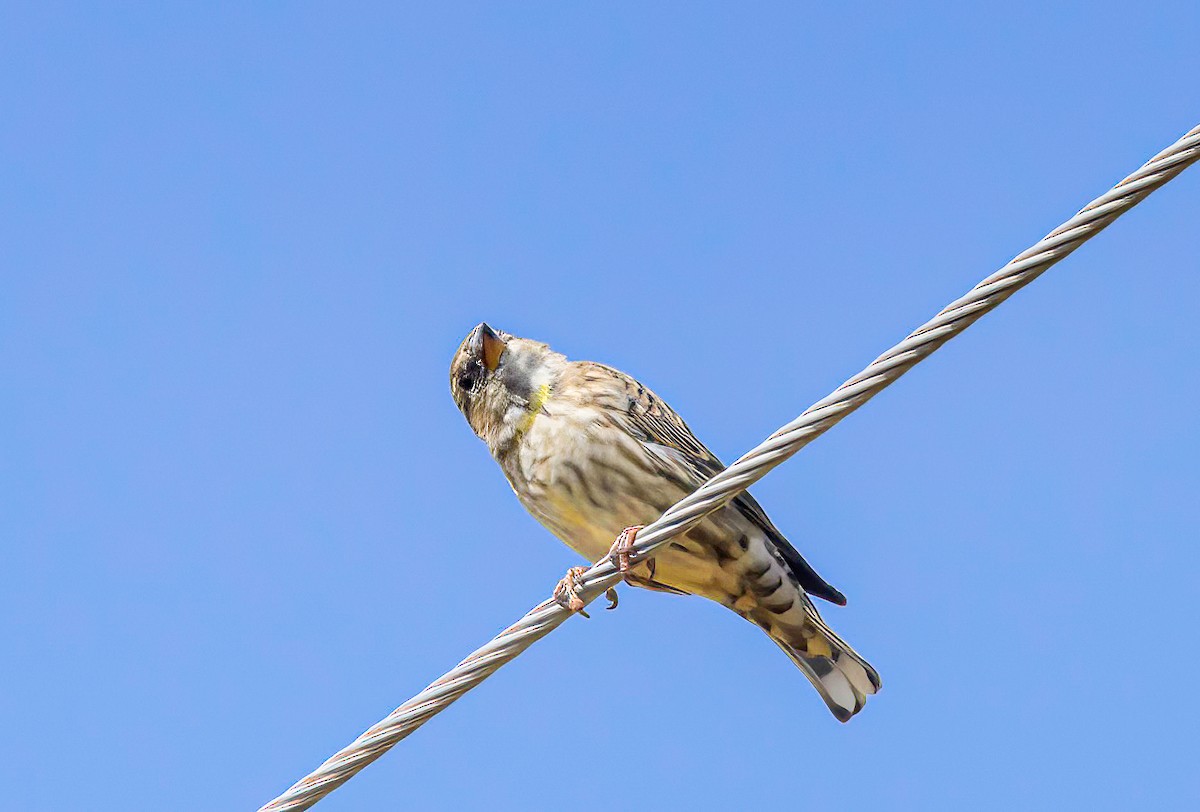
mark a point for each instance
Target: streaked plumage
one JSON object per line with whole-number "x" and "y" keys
{"x": 589, "y": 450}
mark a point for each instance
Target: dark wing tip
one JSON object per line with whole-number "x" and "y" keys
{"x": 832, "y": 595}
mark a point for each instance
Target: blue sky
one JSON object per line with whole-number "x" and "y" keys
{"x": 242, "y": 519}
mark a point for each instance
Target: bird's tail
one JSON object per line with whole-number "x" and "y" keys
{"x": 839, "y": 673}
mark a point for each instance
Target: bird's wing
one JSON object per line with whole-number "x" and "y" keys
{"x": 691, "y": 464}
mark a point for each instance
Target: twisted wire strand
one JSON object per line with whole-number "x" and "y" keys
{"x": 748, "y": 469}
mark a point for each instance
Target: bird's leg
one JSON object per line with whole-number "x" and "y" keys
{"x": 620, "y": 552}
{"x": 622, "y": 557}
{"x": 566, "y": 592}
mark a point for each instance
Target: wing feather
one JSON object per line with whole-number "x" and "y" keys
{"x": 689, "y": 463}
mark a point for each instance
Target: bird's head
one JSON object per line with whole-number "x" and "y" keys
{"x": 500, "y": 382}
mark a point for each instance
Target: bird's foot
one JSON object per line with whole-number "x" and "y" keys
{"x": 566, "y": 592}
{"x": 622, "y": 556}
{"x": 621, "y": 553}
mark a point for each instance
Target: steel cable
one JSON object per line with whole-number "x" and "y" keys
{"x": 748, "y": 469}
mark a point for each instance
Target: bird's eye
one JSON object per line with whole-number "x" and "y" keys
{"x": 469, "y": 377}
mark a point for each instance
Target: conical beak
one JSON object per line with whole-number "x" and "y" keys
{"x": 487, "y": 346}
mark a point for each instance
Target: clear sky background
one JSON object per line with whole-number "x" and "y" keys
{"x": 241, "y": 519}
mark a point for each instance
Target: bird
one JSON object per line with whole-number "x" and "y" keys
{"x": 594, "y": 455}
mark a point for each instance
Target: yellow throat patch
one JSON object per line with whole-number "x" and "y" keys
{"x": 535, "y": 408}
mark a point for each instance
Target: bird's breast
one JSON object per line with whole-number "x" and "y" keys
{"x": 584, "y": 479}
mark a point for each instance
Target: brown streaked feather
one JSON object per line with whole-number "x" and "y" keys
{"x": 656, "y": 424}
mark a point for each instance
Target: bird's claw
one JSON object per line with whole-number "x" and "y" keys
{"x": 622, "y": 556}
{"x": 566, "y": 592}
{"x": 621, "y": 553}
{"x": 611, "y": 594}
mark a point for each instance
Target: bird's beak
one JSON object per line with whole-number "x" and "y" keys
{"x": 487, "y": 346}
